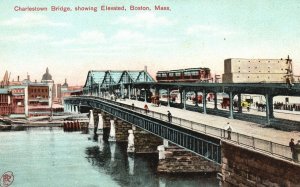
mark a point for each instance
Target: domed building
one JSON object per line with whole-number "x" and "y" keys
{"x": 47, "y": 77}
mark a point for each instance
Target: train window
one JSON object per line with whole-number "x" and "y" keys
{"x": 164, "y": 75}
{"x": 171, "y": 74}
{"x": 195, "y": 73}
{"x": 158, "y": 75}
{"x": 177, "y": 74}
{"x": 187, "y": 73}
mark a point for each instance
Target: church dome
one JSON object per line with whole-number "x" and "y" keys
{"x": 47, "y": 76}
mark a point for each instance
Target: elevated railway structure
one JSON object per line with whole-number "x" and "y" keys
{"x": 268, "y": 90}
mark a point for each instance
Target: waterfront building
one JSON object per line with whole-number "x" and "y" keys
{"x": 39, "y": 99}
{"x": 5, "y": 101}
{"x": 18, "y": 95}
{"x": 238, "y": 70}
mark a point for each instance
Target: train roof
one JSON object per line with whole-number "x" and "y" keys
{"x": 180, "y": 70}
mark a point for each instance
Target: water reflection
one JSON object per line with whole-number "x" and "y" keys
{"x": 138, "y": 170}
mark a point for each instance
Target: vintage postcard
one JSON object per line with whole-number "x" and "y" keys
{"x": 149, "y": 93}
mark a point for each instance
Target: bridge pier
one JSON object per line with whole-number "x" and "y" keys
{"x": 145, "y": 142}
{"x": 174, "y": 159}
{"x": 106, "y": 125}
{"x": 112, "y": 133}
{"x": 100, "y": 124}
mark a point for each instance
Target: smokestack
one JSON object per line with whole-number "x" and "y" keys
{"x": 28, "y": 77}
{"x": 145, "y": 68}
{"x": 18, "y": 78}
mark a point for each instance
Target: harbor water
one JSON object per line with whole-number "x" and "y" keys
{"x": 45, "y": 156}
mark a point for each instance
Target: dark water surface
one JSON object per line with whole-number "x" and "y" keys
{"x": 51, "y": 157}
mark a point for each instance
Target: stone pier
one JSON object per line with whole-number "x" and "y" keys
{"x": 243, "y": 167}
{"x": 145, "y": 142}
{"x": 179, "y": 160}
{"x": 122, "y": 128}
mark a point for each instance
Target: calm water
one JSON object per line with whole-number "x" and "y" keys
{"x": 50, "y": 157}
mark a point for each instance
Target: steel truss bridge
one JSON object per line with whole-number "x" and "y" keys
{"x": 201, "y": 144}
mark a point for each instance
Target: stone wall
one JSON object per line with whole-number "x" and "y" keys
{"x": 145, "y": 142}
{"x": 179, "y": 160}
{"x": 122, "y": 128}
{"x": 243, "y": 167}
{"x": 106, "y": 120}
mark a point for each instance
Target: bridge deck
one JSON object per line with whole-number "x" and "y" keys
{"x": 238, "y": 126}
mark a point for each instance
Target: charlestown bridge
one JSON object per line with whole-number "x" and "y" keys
{"x": 252, "y": 156}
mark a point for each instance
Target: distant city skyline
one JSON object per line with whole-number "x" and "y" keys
{"x": 193, "y": 34}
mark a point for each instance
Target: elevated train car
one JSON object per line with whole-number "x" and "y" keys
{"x": 185, "y": 75}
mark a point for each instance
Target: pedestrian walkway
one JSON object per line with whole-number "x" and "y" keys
{"x": 238, "y": 126}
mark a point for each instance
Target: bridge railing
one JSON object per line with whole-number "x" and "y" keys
{"x": 258, "y": 144}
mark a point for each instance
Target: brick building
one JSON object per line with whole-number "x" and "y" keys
{"x": 5, "y": 103}
{"x": 38, "y": 99}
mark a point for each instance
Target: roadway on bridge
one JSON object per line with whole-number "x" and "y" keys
{"x": 242, "y": 127}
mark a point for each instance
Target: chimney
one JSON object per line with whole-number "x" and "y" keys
{"x": 18, "y": 78}
{"x": 145, "y": 68}
{"x": 28, "y": 77}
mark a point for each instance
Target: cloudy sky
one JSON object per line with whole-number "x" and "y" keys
{"x": 193, "y": 34}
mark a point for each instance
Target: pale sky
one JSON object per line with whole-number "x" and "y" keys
{"x": 194, "y": 33}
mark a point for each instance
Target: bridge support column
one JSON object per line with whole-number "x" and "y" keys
{"x": 122, "y": 128}
{"x": 130, "y": 146}
{"x": 145, "y": 95}
{"x": 179, "y": 160}
{"x": 136, "y": 98}
{"x": 91, "y": 120}
{"x": 184, "y": 99}
{"x": 129, "y": 92}
{"x": 240, "y": 103}
{"x": 144, "y": 142}
{"x": 112, "y": 133}
{"x": 168, "y": 97}
{"x": 230, "y": 106}
{"x": 204, "y": 101}
{"x": 267, "y": 109}
{"x": 215, "y": 100}
{"x": 106, "y": 125}
{"x": 271, "y": 109}
{"x": 196, "y": 98}
{"x": 100, "y": 124}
